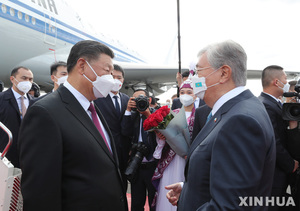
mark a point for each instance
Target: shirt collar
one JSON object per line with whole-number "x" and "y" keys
{"x": 272, "y": 97}
{"x": 84, "y": 102}
{"x": 112, "y": 95}
{"x": 17, "y": 95}
{"x": 226, "y": 97}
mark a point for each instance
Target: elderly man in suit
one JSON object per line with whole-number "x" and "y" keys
{"x": 67, "y": 152}
{"x": 274, "y": 83}
{"x": 13, "y": 105}
{"x": 113, "y": 108}
{"x": 233, "y": 156}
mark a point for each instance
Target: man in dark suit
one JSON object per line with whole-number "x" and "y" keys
{"x": 67, "y": 153}
{"x": 113, "y": 108}
{"x": 233, "y": 156}
{"x": 274, "y": 82}
{"x": 133, "y": 126}
{"x": 13, "y": 108}
{"x": 201, "y": 114}
{"x": 59, "y": 74}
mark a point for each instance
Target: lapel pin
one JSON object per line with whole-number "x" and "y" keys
{"x": 215, "y": 119}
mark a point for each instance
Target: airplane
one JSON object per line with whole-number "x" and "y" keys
{"x": 36, "y": 33}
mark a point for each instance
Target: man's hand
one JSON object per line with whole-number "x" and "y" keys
{"x": 174, "y": 193}
{"x": 293, "y": 124}
{"x": 131, "y": 104}
{"x": 160, "y": 135}
{"x": 145, "y": 113}
{"x": 179, "y": 79}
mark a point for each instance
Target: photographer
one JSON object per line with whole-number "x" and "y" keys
{"x": 142, "y": 164}
{"x": 291, "y": 112}
{"x": 274, "y": 82}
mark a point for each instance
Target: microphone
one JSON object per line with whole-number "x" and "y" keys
{"x": 290, "y": 94}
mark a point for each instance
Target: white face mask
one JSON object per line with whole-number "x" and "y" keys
{"x": 24, "y": 86}
{"x": 61, "y": 80}
{"x": 286, "y": 87}
{"x": 186, "y": 100}
{"x": 102, "y": 85}
{"x": 199, "y": 85}
{"x": 117, "y": 86}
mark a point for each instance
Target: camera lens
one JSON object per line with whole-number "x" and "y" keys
{"x": 295, "y": 111}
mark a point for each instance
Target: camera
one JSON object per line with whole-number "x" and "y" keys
{"x": 138, "y": 151}
{"x": 142, "y": 103}
{"x": 291, "y": 111}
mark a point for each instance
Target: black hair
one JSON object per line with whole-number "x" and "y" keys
{"x": 120, "y": 69}
{"x": 185, "y": 74}
{"x": 89, "y": 50}
{"x": 16, "y": 69}
{"x": 54, "y": 66}
{"x": 144, "y": 90}
{"x": 268, "y": 74}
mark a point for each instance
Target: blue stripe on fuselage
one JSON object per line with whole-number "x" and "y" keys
{"x": 61, "y": 34}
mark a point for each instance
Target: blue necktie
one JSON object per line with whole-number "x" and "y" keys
{"x": 117, "y": 105}
{"x": 208, "y": 117}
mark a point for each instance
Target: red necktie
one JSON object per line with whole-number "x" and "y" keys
{"x": 97, "y": 124}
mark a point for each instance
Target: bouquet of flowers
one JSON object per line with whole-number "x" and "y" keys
{"x": 173, "y": 126}
{"x": 159, "y": 119}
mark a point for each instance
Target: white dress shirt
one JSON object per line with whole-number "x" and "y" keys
{"x": 113, "y": 99}
{"x": 226, "y": 97}
{"x": 18, "y": 99}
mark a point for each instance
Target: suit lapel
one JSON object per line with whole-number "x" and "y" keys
{"x": 211, "y": 124}
{"x": 272, "y": 100}
{"x": 112, "y": 143}
{"x": 80, "y": 114}
{"x": 12, "y": 100}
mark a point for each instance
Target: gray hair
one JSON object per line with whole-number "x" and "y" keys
{"x": 228, "y": 53}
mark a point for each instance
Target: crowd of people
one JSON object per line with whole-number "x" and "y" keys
{"x": 80, "y": 145}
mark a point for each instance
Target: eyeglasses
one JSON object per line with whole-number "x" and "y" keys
{"x": 200, "y": 69}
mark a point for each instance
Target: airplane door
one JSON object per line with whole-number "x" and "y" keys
{"x": 50, "y": 30}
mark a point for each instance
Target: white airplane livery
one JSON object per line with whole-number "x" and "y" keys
{"x": 36, "y": 33}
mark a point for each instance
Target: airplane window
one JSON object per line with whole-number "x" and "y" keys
{"x": 53, "y": 29}
{"x": 33, "y": 20}
{"x": 20, "y": 15}
{"x": 26, "y": 18}
{"x": 12, "y": 12}
{"x": 3, "y": 8}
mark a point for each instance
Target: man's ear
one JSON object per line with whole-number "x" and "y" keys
{"x": 225, "y": 73}
{"x": 81, "y": 65}
{"x": 12, "y": 78}
{"x": 53, "y": 78}
{"x": 150, "y": 100}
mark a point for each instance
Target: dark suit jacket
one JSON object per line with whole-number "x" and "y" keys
{"x": 177, "y": 104}
{"x": 233, "y": 156}
{"x": 109, "y": 112}
{"x": 31, "y": 102}
{"x": 284, "y": 162}
{"x": 201, "y": 114}
{"x": 64, "y": 160}
{"x": 131, "y": 127}
{"x": 10, "y": 116}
